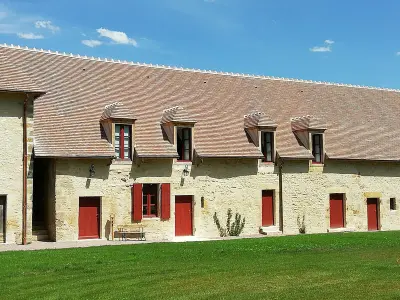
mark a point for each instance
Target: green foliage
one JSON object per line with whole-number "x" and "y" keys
{"x": 231, "y": 229}
{"x": 301, "y": 224}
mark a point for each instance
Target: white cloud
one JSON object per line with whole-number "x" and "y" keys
{"x": 92, "y": 43}
{"x": 47, "y": 25}
{"x": 326, "y": 48}
{"x": 320, "y": 49}
{"x": 117, "y": 37}
{"x": 30, "y": 36}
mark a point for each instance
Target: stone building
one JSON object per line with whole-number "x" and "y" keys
{"x": 167, "y": 148}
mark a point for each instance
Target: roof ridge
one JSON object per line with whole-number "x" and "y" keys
{"x": 195, "y": 70}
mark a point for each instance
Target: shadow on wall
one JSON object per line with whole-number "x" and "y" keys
{"x": 152, "y": 168}
{"x": 363, "y": 168}
{"x": 83, "y": 168}
{"x": 12, "y": 108}
{"x": 296, "y": 166}
{"x": 107, "y": 230}
{"x": 226, "y": 168}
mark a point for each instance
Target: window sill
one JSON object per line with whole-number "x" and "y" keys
{"x": 122, "y": 161}
{"x": 183, "y": 162}
{"x": 151, "y": 218}
{"x": 267, "y": 163}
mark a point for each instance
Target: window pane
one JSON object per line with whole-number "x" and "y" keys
{"x": 153, "y": 210}
{"x": 126, "y": 131}
{"x": 145, "y": 210}
{"x": 186, "y": 133}
{"x": 117, "y": 130}
{"x": 126, "y": 152}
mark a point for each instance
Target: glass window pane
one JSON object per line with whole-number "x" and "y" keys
{"x": 186, "y": 133}
{"x": 154, "y": 210}
{"x": 145, "y": 210}
{"x": 117, "y": 130}
{"x": 126, "y": 131}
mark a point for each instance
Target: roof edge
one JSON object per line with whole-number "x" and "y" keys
{"x": 195, "y": 70}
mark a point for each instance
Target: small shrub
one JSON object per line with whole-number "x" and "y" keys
{"x": 234, "y": 228}
{"x": 302, "y": 224}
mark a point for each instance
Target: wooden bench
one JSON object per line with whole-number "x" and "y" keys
{"x": 132, "y": 229}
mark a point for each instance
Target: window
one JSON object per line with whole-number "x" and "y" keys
{"x": 317, "y": 150}
{"x": 393, "y": 205}
{"x": 267, "y": 146}
{"x": 150, "y": 200}
{"x": 122, "y": 141}
{"x": 184, "y": 143}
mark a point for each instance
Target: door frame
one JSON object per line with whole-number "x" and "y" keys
{"x": 100, "y": 215}
{"x": 273, "y": 208}
{"x": 378, "y": 212}
{"x": 192, "y": 213}
{"x": 344, "y": 200}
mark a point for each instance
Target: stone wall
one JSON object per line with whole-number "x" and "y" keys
{"x": 224, "y": 184}
{"x": 11, "y": 160}
{"x": 228, "y": 183}
{"x": 306, "y": 192}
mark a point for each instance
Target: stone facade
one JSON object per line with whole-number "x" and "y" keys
{"x": 11, "y": 161}
{"x": 227, "y": 183}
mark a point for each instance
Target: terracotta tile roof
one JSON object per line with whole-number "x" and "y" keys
{"x": 308, "y": 123}
{"x": 258, "y": 119}
{"x": 13, "y": 79}
{"x": 176, "y": 114}
{"x": 117, "y": 110}
{"x": 362, "y": 122}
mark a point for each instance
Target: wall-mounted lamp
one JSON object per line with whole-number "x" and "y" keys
{"x": 91, "y": 171}
{"x": 186, "y": 170}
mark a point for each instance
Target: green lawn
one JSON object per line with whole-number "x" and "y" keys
{"x": 330, "y": 266}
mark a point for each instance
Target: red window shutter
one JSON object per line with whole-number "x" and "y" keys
{"x": 137, "y": 202}
{"x": 165, "y": 201}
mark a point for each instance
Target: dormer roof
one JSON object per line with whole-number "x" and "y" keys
{"x": 176, "y": 114}
{"x": 259, "y": 120}
{"x": 117, "y": 111}
{"x": 307, "y": 123}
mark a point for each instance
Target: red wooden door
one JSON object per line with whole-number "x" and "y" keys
{"x": 372, "y": 212}
{"x": 183, "y": 216}
{"x": 336, "y": 211}
{"x": 267, "y": 208}
{"x": 89, "y": 218}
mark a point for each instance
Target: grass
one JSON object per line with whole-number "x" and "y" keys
{"x": 330, "y": 266}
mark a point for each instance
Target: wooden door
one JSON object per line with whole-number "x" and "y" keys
{"x": 267, "y": 208}
{"x": 89, "y": 218}
{"x": 336, "y": 206}
{"x": 372, "y": 214}
{"x": 183, "y": 216}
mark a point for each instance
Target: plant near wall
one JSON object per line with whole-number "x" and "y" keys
{"x": 301, "y": 224}
{"x": 234, "y": 228}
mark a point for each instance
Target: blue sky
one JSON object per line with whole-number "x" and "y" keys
{"x": 346, "y": 41}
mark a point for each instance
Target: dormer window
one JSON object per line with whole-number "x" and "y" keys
{"x": 117, "y": 122}
{"x": 309, "y": 131}
{"x": 267, "y": 146}
{"x": 178, "y": 126}
{"x": 317, "y": 148}
{"x": 184, "y": 143}
{"x": 123, "y": 141}
{"x": 261, "y": 129}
